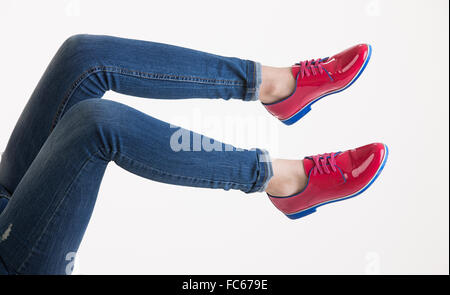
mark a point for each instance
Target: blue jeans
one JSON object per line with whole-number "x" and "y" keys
{"x": 55, "y": 159}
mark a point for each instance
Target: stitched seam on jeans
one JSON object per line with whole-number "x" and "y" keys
{"x": 182, "y": 176}
{"x": 33, "y": 248}
{"x": 248, "y": 89}
{"x": 258, "y": 183}
{"x": 254, "y": 70}
{"x": 265, "y": 174}
{"x": 266, "y": 169}
{"x": 138, "y": 74}
{"x": 251, "y": 89}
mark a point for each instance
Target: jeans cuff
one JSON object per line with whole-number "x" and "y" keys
{"x": 266, "y": 171}
{"x": 254, "y": 80}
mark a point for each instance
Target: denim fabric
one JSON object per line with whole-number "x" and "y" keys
{"x": 64, "y": 139}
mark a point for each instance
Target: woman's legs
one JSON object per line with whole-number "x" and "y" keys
{"x": 86, "y": 66}
{"x": 54, "y": 162}
{"x": 49, "y": 211}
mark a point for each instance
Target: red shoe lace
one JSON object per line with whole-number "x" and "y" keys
{"x": 321, "y": 163}
{"x": 312, "y": 66}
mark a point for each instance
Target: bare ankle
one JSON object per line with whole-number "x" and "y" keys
{"x": 289, "y": 177}
{"x": 277, "y": 83}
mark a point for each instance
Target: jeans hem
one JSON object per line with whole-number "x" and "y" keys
{"x": 266, "y": 171}
{"x": 254, "y": 80}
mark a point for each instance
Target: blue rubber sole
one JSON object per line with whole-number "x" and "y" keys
{"x": 301, "y": 113}
{"x": 313, "y": 209}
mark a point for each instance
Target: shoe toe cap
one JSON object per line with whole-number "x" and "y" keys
{"x": 367, "y": 160}
{"x": 352, "y": 59}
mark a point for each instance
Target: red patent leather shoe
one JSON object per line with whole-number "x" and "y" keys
{"x": 316, "y": 79}
{"x": 334, "y": 177}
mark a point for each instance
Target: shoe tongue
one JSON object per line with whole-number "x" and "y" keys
{"x": 296, "y": 68}
{"x": 342, "y": 161}
{"x": 308, "y": 164}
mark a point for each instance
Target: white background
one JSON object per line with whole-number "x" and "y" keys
{"x": 399, "y": 226}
